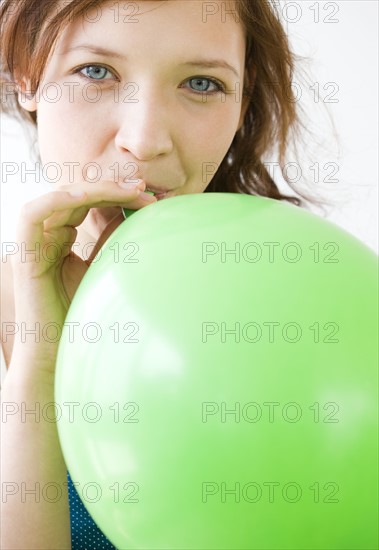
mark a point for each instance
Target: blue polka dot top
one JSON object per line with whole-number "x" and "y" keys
{"x": 85, "y": 534}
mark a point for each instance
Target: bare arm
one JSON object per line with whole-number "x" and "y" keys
{"x": 35, "y": 507}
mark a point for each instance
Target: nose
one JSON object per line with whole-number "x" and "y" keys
{"x": 144, "y": 127}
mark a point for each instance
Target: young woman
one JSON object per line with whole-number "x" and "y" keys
{"x": 175, "y": 97}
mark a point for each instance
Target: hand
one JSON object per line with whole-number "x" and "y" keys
{"x": 46, "y": 281}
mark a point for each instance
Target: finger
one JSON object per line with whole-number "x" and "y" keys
{"x": 106, "y": 194}
{"x": 35, "y": 212}
{"x": 103, "y": 187}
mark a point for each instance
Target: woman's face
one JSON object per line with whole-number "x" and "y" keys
{"x": 145, "y": 89}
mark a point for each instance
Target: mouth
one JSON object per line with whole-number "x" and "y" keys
{"x": 158, "y": 193}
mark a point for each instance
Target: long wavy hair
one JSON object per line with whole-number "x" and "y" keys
{"x": 30, "y": 29}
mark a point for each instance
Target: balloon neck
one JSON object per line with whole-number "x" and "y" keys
{"x": 127, "y": 212}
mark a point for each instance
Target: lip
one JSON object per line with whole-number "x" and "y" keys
{"x": 160, "y": 196}
{"x": 156, "y": 190}
{"x": 159, "y": 193}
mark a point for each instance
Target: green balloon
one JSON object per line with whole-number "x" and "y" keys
{"x": 220, "y": 358}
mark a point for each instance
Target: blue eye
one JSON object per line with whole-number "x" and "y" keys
{"x": 204, "y": 85}
{"x": 95, "y": 72}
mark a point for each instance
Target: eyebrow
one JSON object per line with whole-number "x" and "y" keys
{"x": 212, "y": 64}
{"x": 95, "y": 50}
{"x": 203, "y": 63}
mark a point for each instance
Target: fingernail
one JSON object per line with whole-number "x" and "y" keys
{"x": 128, "y": 184}
{"x": 147, "y": 197}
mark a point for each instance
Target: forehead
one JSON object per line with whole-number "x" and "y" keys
{"x": 170, "y": 26}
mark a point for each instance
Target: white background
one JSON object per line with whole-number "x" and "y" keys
{"x": 343, "y": 56}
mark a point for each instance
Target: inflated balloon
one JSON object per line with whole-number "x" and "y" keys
{"x": 220, "y": 359}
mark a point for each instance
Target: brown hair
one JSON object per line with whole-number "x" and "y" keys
{"x": 30, "y": 29}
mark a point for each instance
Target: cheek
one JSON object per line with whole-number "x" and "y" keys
{"x": 206, "y": 139}
{"x": 66, "y": 131}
